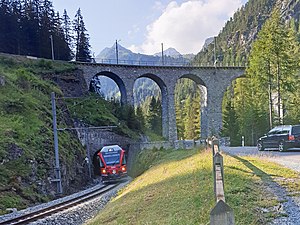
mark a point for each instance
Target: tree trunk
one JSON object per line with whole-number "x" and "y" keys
{"x": 270, "y": 99}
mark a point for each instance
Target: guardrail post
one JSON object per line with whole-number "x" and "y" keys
{"x": 218, "y": 177}
{"x": 215, "y": 146}
{"x": 221, "y": 214}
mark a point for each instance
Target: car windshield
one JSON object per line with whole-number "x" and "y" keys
{"x": 111, "y": 159}
{"x": 296, "y": 130}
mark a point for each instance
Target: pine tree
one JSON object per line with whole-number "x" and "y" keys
{"x": 273, "y": 63}
{"x": 62, "y": 49}
{"x": 15, "y": 38}
{"x": 81, "y": 39}
{"x": 154, "y": 120}
{"x": 140, "y": 117}
{"x": 66, "y": 26}
{"x": 30, "y": 24}
{"x": 5, "y": 26}
{"x": 46, "y": 29}
{"x": 230, "y": 124}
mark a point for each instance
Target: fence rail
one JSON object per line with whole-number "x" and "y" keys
{"x": 221, "y": 213}
{"x": 179, "y": 63}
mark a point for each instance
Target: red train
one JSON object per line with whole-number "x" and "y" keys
{"x": 112, "y": 162}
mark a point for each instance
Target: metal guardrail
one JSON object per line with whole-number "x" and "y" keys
{"x": 179, "y": 63}
{"x": 221, "y": 213}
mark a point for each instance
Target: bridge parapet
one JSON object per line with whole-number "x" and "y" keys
{"x": 141, "y": 64}
{"x": 180, "y": 62}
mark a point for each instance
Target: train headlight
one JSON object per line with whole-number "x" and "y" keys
{"x": 123, "y": 169}
{"x": 103, "y": 171}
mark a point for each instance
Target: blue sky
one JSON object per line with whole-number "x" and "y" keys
{"x": 142, "y": 25}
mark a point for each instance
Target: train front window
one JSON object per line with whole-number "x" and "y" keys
{"x": 100, "y": 162}
{"x": 124, "y": 160}
{"x": 112, "y": 159}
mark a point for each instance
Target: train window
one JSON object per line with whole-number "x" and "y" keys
{"x": 124, "y": 160}
{"x": 100, "y": 162}
{"x": 111, "y": 159}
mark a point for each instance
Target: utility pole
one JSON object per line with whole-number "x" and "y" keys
{"x": 52, "y": 49}
{"x": 117, "y": 53}
{"x": 57, "y": 168}
{"x": 87, "y": 142}
{"x": 215, "y": 58}
{"x": 162, "y": 53}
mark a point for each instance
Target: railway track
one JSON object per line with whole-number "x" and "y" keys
{"x": 58, "y": 207}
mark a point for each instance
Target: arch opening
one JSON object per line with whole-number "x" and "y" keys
{"x": 109, "y": 86}
{"x": 150, "y": 101}
{"x": 190, "y": 107}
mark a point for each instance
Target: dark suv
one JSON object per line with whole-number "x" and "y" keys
{"x": 285, "y": 137}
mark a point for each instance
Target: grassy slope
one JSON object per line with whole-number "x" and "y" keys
{"x": 179, "y": 190}
{"x": 100, "y": 113}
{"x": 26, "y": 146}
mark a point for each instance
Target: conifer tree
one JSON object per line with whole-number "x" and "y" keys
{"x": 81, "y": 39}
{"x": 46, "y": 29}
{"x": 62, "y": 47}
{"x": 140, "y": 117}
{"x": 273, "y": 63}
{"x": 189, "y": 132}
{"x": 66, "y": 26}
{"x": 30, "y": 29}
{"x": 154, "y": 119}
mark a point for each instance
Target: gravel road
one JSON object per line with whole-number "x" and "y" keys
{"x": 290, "y": 204}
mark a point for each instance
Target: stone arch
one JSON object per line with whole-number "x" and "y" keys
{"x": 164, "y": 101}
{"x": 118, "y": 81}
{"x": 201, "y": 84}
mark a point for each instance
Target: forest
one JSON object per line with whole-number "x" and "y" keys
{"x": 269, "y": 95}
{"x": 33, "y": 28}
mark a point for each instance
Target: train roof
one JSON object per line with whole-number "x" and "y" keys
{"x": 111, "y": 148}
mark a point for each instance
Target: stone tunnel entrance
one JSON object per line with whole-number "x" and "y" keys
{"x": 96, "y": 164}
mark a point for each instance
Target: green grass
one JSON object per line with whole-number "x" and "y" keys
{"x": 102, "y": 113}
{"x": 178, "y": 189}
{"x": 26, "y": 137}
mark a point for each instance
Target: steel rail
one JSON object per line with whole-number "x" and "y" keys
{"x": 49, "y": 210}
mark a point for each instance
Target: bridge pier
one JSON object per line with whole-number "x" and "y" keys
{"x": 172, "y": 127}
{"x": 165, "y": 114}
{"x": 129, "y": 92}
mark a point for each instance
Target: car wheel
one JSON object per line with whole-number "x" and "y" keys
{"x": 281, "y": 146}
{"x": 260, "y": 146}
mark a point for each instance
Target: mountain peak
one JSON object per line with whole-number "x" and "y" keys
{"x": 125, "y": 56}
{"x": 172, "y": 52}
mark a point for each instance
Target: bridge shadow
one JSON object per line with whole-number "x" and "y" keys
{"x": 265, "y": 177}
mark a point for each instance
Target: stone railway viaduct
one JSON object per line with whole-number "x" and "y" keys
{"x": 212, "y": 81}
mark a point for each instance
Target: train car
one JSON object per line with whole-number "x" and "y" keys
{"x": 112, "y": 163}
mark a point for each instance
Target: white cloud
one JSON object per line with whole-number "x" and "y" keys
{"x": 186, "y": 26}
{"x": 135, "y": 29}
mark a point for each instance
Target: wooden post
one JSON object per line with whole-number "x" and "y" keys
{"x": 221, "y": 214}
{"x": 218, "y": 177}
{"x": 215, "y": 146}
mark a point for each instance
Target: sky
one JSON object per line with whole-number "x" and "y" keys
{"x": 143, "y": 25}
